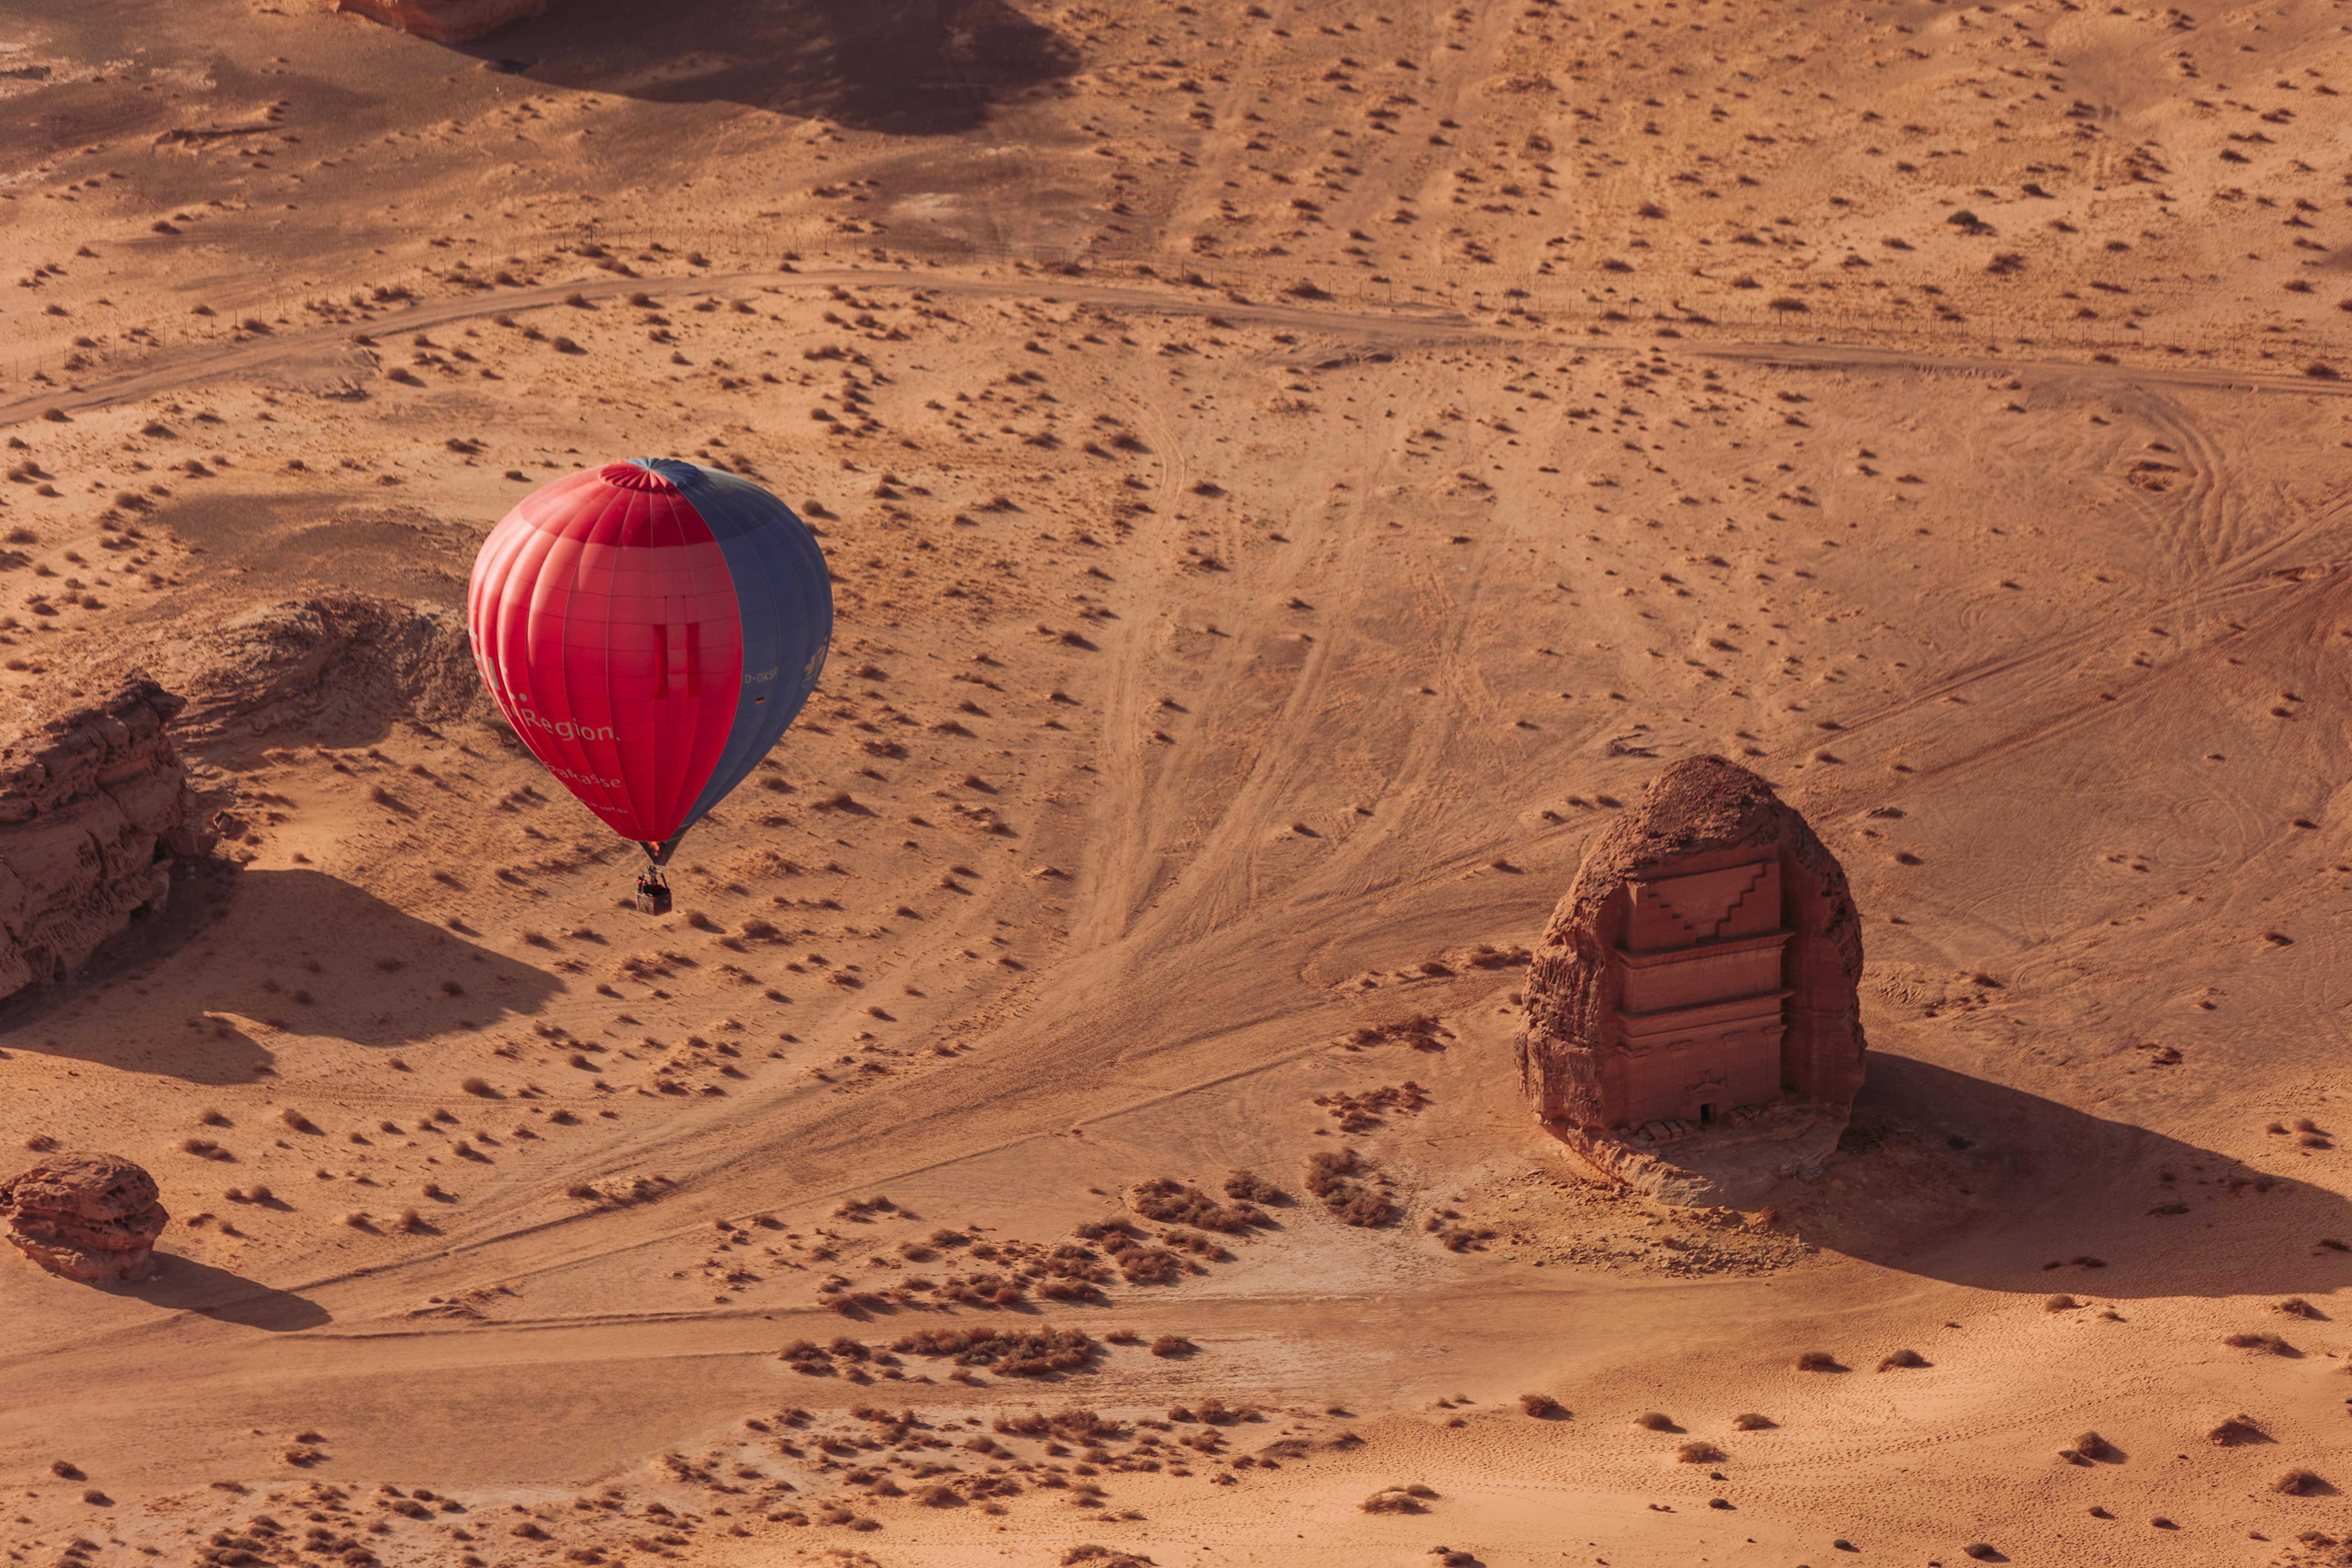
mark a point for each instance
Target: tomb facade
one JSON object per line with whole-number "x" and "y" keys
{"x": 1701, "y": 973}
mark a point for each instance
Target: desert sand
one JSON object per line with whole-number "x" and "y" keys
{"x": 1294, "y": 471}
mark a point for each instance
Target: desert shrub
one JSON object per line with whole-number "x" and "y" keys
{"x": 1007, "y": 1351}
{"x": 1817, "y": 1361}
{"x": 1542, "y": 1406}
{"x": 1459, "y": 1237}
{"x": 2236, "y": 1432}
{"x": 1982, "y": 1552}
{"x": 1655, "y": 1421}
{"x": 1700, "y": 1452}
{"x": 1749, "y": 1421}
{"x": 1150, "y": 1266}
{"x": 2298, "y": 1483}
{"x": 2091, "y": 1446}
{"x": 1167, "y": 1345}
{"x": 2296, "y": 1307}
{"x": 1330, "y": 1177}
{"x": 1080, "y": 1425}
{"x": 1249, "y": 1187}
{"x": 1398, "y": 1499}
{"x": 2268, "y": 1344}
{"x": 1172, "y": 1203}
{"x": 806, "y": 1357}
{"x": 1328, "y": 1169}
{"x": 1901, "y": 1359}
{"x": 2059, "y": 1304}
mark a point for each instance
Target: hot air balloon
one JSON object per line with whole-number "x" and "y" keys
{"x": 650, "y": 629}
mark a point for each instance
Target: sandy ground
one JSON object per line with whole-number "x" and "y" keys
{"x": 1293, "y": 470}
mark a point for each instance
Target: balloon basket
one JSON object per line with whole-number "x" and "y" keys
{"x": 653, "y": 896}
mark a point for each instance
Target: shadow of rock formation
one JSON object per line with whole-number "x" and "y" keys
{"x": 2017, "y": 1192}
{"x": 906, "y": 68}
{"x": 185, "y": 1284}
{"x": 382, "y": 978}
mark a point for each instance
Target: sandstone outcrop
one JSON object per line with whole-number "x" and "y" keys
{"x": 443, "y": 21}
{"x": 1695, "y": 991}
{"x": 93, "y": 806}
{"x": 85, "y": 1217}
{"x": 341, "y": 665}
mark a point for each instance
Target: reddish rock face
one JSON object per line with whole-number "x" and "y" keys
{"x": 85, "y": 1217}
{"x": 443, "y": 21}
{"x": 1703, "y": 964}
{"x": 93, "y": 802}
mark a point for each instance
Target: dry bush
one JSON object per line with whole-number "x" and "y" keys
{"x": 2058, "y": 1303}
{"x": 1148, "y": 1266}
{"x": 1080, "y": 1425}
{"x": 1700, "y": 1452}
{"x": 1250, "y": 1187}
{"x": 1542, "y": 1406}
{"x": 2299, "y": 1482}
{"x": 2296, "y": 1307}
{"x": 66, "y": 1470}
{"x": 1421, "y": 1032}
{"x": 1028, "y": 1424}
{"x": 1398, "y": 1499}
{"x": 1328, "y": 1177}
{"x": 1817, "y": 1361}
{"x": 806, "y": 1357}
{"x": 1982, "y": 1552}
{"x": 1459, "y": 1237}
{"x": 2236, "y": 1432}
{"x": 1007, "y": 1351}
{"x": 1901, "y": 1359}
{"x": 1094, "y": 1556}
{"x": 297, "y": 1120}
{"x": 1749, "y": 1421}
{"x": 2268, "y": 1344}
{"x": 1172, "y": 1203}
{"x": 2091, "y": 1446}
{"x": 1167, "y": 1345}
{"x": 1655, "y": 1421}
{"x": 1363, "y": 1112}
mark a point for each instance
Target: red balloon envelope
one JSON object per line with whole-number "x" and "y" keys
{"x": 650, "y": 629}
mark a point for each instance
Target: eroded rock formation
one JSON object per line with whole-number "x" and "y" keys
{"x": 85, "y": 1217}
{"x": 93, "y": 806}
{"x": 443, "y": 21}
{"x": 341, "y": 665}
{"x": 1701, "y": 974}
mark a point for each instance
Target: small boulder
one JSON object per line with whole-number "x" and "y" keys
{"x": 85, "y": 1217}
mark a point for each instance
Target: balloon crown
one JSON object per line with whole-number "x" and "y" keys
{"x": 630, "y": 477}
